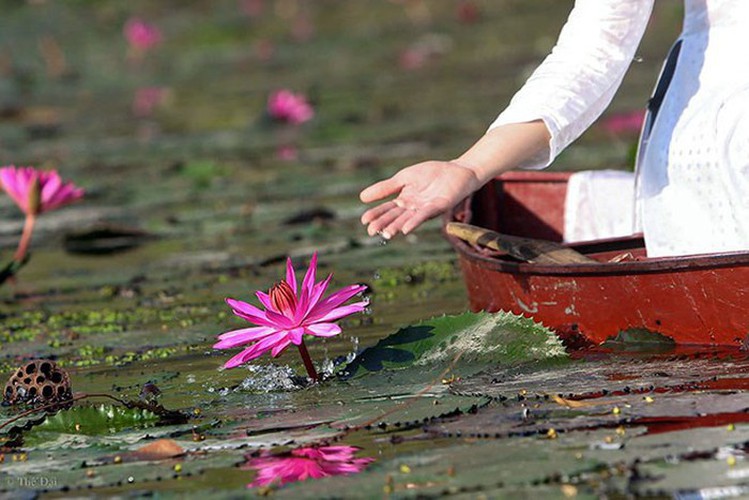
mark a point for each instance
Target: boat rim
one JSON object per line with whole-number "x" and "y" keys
{"x": 647, "y": 265}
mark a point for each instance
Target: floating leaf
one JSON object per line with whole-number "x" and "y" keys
{"x": 101, "y": 419}
{"x": 479, "y": 339}
{"x": 640, "y": 340}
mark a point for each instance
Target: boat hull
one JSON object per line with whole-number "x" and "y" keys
{"x": 695, "y": 300}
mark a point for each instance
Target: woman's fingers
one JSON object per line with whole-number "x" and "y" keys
{"x": 393, "y": 227}
{"x": 375, "y": 212}
{"x": 381, "y": 190}
{"x": 419, "y": 217}
{"x": 386, "y": 218}
{"x": 391, "y": 217}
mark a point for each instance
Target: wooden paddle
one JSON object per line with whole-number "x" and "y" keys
{"x": 525, "y": 249}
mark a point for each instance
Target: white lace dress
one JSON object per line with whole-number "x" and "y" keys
{"x": 693, "y": 194}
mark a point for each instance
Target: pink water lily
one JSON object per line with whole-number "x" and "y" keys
{"x": 305, "y": 463}
{"x": 290, "y": 312}
{"x": 35, "y": 191}
{"x": 140, "y": 34}
{"x": 286, "y": 106}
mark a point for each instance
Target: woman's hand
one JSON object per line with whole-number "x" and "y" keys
{"x": 425, "y": 190}
{"x": 421, "y": 191}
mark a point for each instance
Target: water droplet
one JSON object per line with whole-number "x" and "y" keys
{"x": 327, "y": 368}
{"x": 269, "y": 378}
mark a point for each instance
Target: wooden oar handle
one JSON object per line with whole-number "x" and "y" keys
{"x": 525, "y": 249}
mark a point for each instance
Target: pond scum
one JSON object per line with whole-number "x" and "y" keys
{"x": 216, "y": 139}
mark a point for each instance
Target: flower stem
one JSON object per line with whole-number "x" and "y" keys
{"x": 23, "y": 245}
{"x": 308, "y": 362}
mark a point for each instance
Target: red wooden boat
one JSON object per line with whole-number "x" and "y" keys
{"x": 694, "y": 300}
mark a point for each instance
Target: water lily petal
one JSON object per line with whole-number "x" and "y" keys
{"x": 236, "y": 338}
{"x": 66, "y": 194}
{"x": 339, "y": 453}
{"x": 244, "y": 307}
{"x": 16, "y": 182}
{"x": 296, "y": 335}
{"x": 323, "y": 329}
{"x": 332, "y": 301}
{"x": 309, "y": 305}
{"x": 278, "y": 348}
{"x": 290, "y": 276}
{"x": 249, "y": 312}
{"x": 317, "y": 292}
{"x": 49, "y": 184}
{"x": 303, "y": 302}
{"x": 314, "y": 471}
{"x": 340, "y": 312}
{"x": 264, "y": 299}
{"x": 279, "y": 320}
{"x": 304, "y": 463}
{"x": 311, "y": 274}
{"x": 255, "y": 350}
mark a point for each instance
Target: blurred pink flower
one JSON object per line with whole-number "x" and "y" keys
{"x": 412, "y": 58}
{"x": 285, "y": 106}
{"x": 304, "y": 463}
{"x": 287, "y": 153}
{"x": 147, "y": 99}
{"x": 624, "y": 123}
{"x": 290, "y": 313}
{"x": 36, "y": 191}
{"x": 141, "y": 35}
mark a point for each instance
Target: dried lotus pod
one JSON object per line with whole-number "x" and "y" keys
{"x": 38, "y": 382}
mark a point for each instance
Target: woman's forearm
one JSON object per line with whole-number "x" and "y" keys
{"x": 506, "y": 147}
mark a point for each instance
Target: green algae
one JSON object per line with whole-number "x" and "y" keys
{"x": 430, "y": 272}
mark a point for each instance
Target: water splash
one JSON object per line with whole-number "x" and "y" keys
{"x": 270, "y": 378}
{"x": 331, "y": 366}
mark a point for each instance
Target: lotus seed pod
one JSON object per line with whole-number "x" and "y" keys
{"x": 38, "y": 382}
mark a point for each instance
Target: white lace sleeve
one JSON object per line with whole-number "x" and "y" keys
{"x": 576, "y": 82}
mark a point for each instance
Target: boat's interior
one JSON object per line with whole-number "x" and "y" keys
{"x": 531, "y": 205}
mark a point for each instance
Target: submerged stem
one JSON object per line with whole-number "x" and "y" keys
{"x": 23, "y": 245}
{"x": 308, "y": 362}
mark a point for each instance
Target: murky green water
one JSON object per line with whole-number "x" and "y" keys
{"x": 196, "y": 190}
